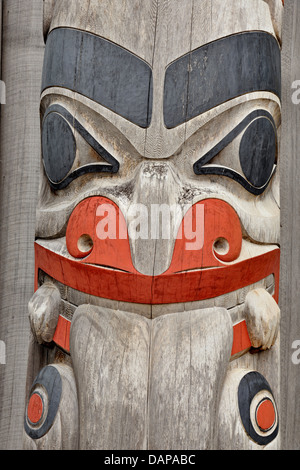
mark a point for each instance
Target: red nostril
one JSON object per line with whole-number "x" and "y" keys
{"x": 85, "y": 244}
{"x": 221, "y": 247}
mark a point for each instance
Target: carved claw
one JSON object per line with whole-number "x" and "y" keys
{"x": 262, "y": 318}
{"x": 44, "y": 309}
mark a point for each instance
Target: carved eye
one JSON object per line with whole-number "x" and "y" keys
{"x": 43, "y": 402}
{"x": 258, "y": 409}
{"x": 257, "y": 153}
{"x": 59, "y": 149}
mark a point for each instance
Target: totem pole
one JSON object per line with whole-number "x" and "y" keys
{"x": 157, "y": 238}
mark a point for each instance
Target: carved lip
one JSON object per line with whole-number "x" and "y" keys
{"x": 192, "y": 275}
{"x": 89, "y": 284}
{"x": 188, "y": 286}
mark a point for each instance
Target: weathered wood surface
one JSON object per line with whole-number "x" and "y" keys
{"x": 290, "y": 222}
{"x": 22, "y": 54}
{"x": 184, "y": 393}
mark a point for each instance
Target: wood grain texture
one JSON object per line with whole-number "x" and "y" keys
{"x": 290, "y": 221}
{"x": 22, "y": 53}
{"x": 241, "y": 341}
{"x": 146, "y": 384}
{"x": 110, "y": 355}
{"x": 189, "y": 358}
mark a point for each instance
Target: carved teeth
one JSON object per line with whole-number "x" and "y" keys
{"x": 44, "y": 309}
{"x": 262, "y": 317}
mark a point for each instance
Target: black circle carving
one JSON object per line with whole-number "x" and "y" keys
{"x": 50, "y": 380}
{"x": 250, "y": 385}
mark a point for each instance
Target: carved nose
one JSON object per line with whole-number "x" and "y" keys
{"x": 154, "y": 217}
{"x": 168, "y": 237}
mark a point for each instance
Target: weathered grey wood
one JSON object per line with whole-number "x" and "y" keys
{"x": 156, "y": 185}
{"x": 110, "y": 352}
{"x": 1, "y": 5}
{"x": 22, "y": 53}
{"x": 290, "y": 222}
{"x": 185, "y": 384}
{"x": 44, "y": 308}
{"x": 263, "y": 317}
{"x": 149, "y": 384}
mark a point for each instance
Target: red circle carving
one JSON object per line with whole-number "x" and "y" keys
{"x": 265, "y": 415}
{"x": 35, "y": 408}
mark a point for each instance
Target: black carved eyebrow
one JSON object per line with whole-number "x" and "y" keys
{"x": 111, "y": 166}
{"x": 100, "y": 70}
{"x": 220, "y": 71}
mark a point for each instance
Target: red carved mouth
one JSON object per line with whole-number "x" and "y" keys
{"x": 193, "y": 274}
{"x": 163, "y": 289}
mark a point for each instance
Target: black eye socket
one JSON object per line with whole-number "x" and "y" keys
{"x": 59, "y": 147}
{"x": 258, "y": 152}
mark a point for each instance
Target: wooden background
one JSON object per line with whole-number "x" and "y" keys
{"x": 21, "y": 64}
{"x": 21, "y": 61}
{"x": 290, "y": 223}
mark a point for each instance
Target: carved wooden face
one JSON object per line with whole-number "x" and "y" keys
{"x": 158, "y": 225}
{"x": 179, "y": 115}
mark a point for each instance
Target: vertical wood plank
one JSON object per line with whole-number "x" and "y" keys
{"x": 22, "y": 53}
{"x": 290, "y": 221}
